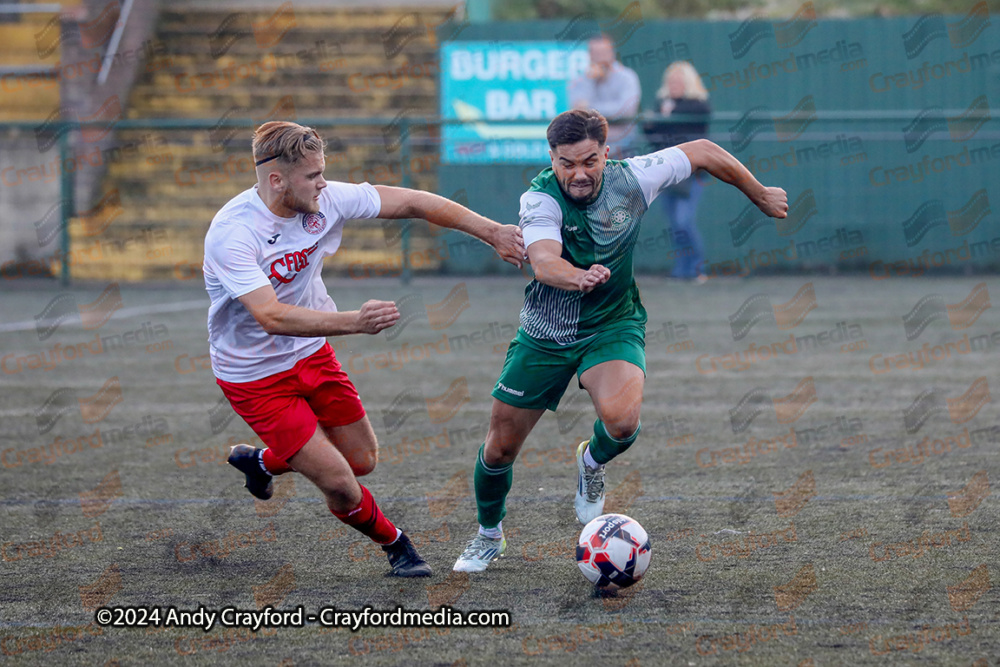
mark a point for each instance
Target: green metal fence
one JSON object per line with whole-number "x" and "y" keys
{"x": 880, "y": 130}
{"x": 859, "y": 199}
{"x": 895, "y": 167}
{"x": 198, "y": 131}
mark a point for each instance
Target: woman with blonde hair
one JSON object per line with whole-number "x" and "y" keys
{"x": 682, "y": 96}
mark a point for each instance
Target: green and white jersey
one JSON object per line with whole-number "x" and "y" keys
{"x": 603, "y": 232}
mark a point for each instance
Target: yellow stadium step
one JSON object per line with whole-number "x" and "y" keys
{"x": 176, "y": 253}
{"x": 282, "y": 63}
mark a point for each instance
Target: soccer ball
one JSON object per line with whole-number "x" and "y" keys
{"x": 613, "y": 551}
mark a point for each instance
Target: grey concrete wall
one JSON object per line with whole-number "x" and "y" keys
{"x": 30, "y": 164}
{"x": 29, "y": 196}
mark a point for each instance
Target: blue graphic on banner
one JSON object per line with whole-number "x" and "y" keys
{"x": 486, "y": 83}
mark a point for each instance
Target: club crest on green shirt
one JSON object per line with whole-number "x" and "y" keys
{"x": 620, "y": 216}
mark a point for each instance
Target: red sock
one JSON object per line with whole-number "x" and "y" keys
{"x": 368, "y": 519}
{"x": 274, "y": 465}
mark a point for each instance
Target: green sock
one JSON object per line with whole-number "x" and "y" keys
{"x": 492, "y": 486}
{"x": 604, "y": 448}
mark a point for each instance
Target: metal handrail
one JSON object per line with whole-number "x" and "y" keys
{"x": 63, "y": 129}
{"x": 894, "y": 115}
{"x": 116, "y": 38}
{"x": 41, "y": 8}
{"x": 22, "y": 70}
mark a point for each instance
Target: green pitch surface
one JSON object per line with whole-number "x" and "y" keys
{"x": 812, "y": 496}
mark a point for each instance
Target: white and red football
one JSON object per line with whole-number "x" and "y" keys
{"x": 613, "y": 551}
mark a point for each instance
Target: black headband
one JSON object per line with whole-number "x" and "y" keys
{"x": 267, "y": 159}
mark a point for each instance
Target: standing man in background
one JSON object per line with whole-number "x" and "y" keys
{"x": 612, "y": 90}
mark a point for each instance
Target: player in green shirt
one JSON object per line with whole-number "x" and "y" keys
{"x": 582, "y": 314}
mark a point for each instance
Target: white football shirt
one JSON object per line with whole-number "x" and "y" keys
{"x": 248, "y": 247}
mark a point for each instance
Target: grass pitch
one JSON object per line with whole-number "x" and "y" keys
{"x": 803, "y": 508}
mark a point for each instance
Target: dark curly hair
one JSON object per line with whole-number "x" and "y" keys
{"x": 570, "y": 127}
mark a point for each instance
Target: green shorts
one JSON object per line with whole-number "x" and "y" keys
{"x": 536, "y": 372}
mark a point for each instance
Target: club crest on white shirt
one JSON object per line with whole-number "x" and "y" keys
{"x": 314, "y": 223}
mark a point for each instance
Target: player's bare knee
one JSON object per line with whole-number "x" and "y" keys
{"x": 364, "y": 464}
{"x": 500, "y": 451}
{"x": 621, "y": 429}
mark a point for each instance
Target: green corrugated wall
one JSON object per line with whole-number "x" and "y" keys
{"x": 860, "y": 197}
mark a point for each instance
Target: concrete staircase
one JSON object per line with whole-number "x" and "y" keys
{"x": 164, "y": 185}
{"x": 27, "y": 42}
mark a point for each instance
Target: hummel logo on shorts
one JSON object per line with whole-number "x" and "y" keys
{"x": 507, "y": 389}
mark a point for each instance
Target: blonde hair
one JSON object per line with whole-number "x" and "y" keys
{"x": 284, "y": 141}
{"x": 693, "y": 87}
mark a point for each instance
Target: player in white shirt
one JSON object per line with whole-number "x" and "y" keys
{"x": 270, "y": 316}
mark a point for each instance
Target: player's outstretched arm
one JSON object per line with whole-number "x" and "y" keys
{"x": 406, "y": 203}
{"x": 714, "y": 159}
{"x": 552, "y": 270}
{"x": 282, "y": 319}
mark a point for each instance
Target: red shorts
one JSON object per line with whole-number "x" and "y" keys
{"x": 284, "y": 408}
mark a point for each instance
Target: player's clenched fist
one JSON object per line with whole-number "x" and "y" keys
{"x": 774, "y": 203}
{"x": 377, "y": 315}
{"x": 593, "y": 277}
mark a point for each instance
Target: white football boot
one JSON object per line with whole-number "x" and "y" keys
{"x": 589, "y": 502}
